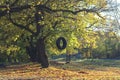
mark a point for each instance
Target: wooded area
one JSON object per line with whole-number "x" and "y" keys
{"x": 29, "y": 29}
{"x": 38, "y": 38}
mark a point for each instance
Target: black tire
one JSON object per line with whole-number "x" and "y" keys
{"x": 58, "y": 43}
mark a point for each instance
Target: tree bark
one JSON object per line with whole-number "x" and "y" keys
{"x": 68, "y": 57}
{"x": 31, "y": 51}
{"x": 41, "y": 53}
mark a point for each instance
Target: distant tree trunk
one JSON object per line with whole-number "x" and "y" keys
{"x": 9, "y": 58}
{"x": 68, "y": 57}
{"x": 41, "y": 53}
{"x": 118, "y": 49}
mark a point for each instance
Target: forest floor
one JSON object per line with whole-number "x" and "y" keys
{"x": 58, "y": 70}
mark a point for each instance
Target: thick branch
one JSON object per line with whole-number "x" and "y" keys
{"x": 45, "y": 8}
{"x": 37, "y": 19}
{"x": 14, "y": 9}
{"x": 3, "y": 6}
{"x": 20, "y": 25}
{"x": 69, "y": 11}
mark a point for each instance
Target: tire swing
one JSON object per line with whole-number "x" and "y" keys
{"x": 58, "y": 43}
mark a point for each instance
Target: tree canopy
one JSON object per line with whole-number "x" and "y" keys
{"x": 24, "y": 22}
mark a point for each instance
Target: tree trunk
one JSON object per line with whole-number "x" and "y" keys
{"x": 31, "y": 51}
{"x": 68, "y": 57}
{"x": 41, "y": 54}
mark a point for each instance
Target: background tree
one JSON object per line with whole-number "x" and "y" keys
{"x": 41, "y": 22}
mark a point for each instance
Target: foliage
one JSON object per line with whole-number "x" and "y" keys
{"x": 108, "y": 45}
{"x": 70, "y": 19}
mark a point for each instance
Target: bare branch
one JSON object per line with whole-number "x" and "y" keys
{"x": 92, "y": 24}
{"x": 99, "y": 15}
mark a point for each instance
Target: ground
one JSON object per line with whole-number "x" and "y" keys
{"x": 76, "y": 70}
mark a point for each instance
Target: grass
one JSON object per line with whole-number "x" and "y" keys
{"x": 87, "y": 69}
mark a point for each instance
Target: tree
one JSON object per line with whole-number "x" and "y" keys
{"x": 108, "y": 32}
{"x": 44, "y": 19}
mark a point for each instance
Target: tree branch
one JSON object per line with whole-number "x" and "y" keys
{"x": 92, "y": 24}
{"x": 14, "y": 9}
{"x": 68, "y": 11}
{"x": 99, "y": 15}
{"x": 45, "y": 8}
{"x": 20, "y": 25}
{"x": 3, "y": 6}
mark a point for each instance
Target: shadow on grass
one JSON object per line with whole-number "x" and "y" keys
{"x": 102, "y": 62}
{"x": 90, "y": 64}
